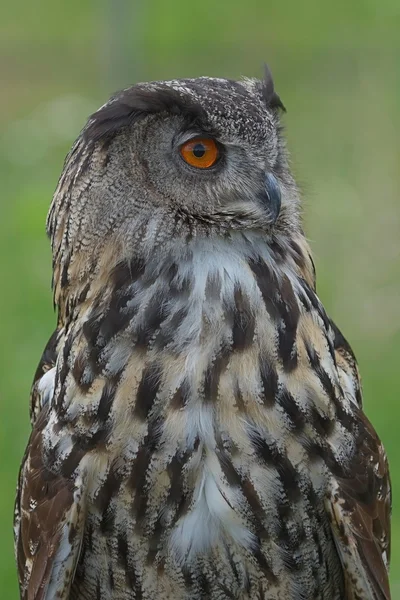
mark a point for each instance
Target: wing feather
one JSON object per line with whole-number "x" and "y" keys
{"x": 359, "y": 501}
{"x": 46, "y": 366}
{"x": 359, "y": 507}
{"x": 51, "y": 522}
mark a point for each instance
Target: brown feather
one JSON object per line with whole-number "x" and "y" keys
{"x": 47, "y": 504}
{"x": 47, "y": 362}
{"x": 360, "y": 508}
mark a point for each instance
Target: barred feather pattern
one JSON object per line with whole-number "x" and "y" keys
{"x": 198, "y": 431}
{"x": 204, "y": 454}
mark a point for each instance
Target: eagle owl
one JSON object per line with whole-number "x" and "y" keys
{"x": 197, "y": 423}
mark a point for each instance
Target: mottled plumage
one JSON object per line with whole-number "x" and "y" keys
{"x": 197, "y": 422}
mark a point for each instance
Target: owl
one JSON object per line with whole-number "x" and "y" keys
{"x": 197, "y": 423}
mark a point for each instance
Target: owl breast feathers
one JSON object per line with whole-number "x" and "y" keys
{"x": 197, "y": 428}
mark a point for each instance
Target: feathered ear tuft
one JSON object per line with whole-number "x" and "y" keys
{"x": 268, "y": 91}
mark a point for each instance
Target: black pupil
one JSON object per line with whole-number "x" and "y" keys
{"x": 199, "y": 150}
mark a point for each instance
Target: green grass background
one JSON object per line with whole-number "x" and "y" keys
{"x": 336, "y": 67}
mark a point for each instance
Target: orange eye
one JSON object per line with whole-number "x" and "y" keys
{"x": 200, "y": 152}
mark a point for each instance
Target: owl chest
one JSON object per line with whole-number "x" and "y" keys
{"x": 215, "y": 513}
{"x": 218, "y": 491}
{"x": 212, "y": 521}
{"x": 204, "y": 475}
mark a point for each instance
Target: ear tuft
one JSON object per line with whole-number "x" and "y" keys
{"x": 268, "y": 91}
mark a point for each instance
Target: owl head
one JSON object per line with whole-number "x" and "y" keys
{"x": 163, "y": 162}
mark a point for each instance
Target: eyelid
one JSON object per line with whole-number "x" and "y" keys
{"x": 190, "y": 135}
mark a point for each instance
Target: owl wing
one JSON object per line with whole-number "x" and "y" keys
{"x": 41, "y": 391}
{"x": 43, "y": 381}
{"x": 359, "y": 504}
{"x": 48, "y": 523}
{"x": 50, "y": 526}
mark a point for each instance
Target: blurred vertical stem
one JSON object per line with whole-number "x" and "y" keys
{"x": 120, "y": 43}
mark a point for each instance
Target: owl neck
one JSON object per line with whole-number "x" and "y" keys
{"x": 203, "y": 264}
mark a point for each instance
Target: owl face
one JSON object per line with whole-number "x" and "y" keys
{"x": 179, "y": 156}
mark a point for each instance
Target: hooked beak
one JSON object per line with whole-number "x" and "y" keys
{"x": 271, "y": 196}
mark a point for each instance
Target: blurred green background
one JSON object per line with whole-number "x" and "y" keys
{"x": 336, "y": 67}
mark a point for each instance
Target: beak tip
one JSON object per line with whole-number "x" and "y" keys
{"x": 273, "y": 192}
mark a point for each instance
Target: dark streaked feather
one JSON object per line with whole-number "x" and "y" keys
{"x": 360, "y": 509}
{"x": 47, "y": 362}
{"x": 50, "y": 527}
